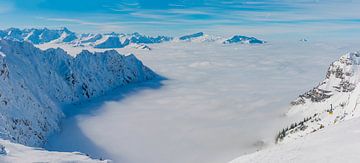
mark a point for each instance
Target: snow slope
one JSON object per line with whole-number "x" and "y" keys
{"x": 339, "y": 143}
{"x": 12, "y": 152}
{"x": 324, "y": 134}
{"x": 35, "y": 83}
{"x": 111, "y": 41}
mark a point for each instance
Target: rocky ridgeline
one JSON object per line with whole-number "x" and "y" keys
{"x": 338, "y": 79}
{"x": 33, "y": 83}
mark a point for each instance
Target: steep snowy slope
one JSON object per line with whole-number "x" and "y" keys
{"x": 89, "y": 38}
{"x": 316, "y": 138}
{"x": 33, "y": 83}
{"x": 111, "y": 41}
{"x": 335, "y": 99}
{"x": 66, "y": 36}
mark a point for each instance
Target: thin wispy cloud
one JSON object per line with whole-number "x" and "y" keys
{"x": 102, "y": 27}
{"x": 185, "y": 15}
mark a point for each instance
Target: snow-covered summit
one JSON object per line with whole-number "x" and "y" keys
{"x": 330, "y": 118}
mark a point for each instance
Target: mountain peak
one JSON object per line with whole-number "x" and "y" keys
{"x": 65, "y": 30}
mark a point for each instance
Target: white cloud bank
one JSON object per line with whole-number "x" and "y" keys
{"x": 219, "y": 102}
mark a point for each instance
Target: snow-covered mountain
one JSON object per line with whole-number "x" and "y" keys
{"x": 140, "y": 46}
{"x": 333, "y": 101}
{"x": 243, "y": 40}
{"x": 39, "y": 36}
{"x": 113, "y": 40}
{"x": 339, "y": 143}
{"x": 63, "y": 35}
{"x": 141, "y": 39}
{"x": 34, "y": 83}
{"x": 202, "y": 37}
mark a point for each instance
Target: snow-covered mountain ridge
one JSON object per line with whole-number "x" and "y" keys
{"x": 64, "y": 35}
{"x": 39, "y": 36}
{"x": 34, "y": 83}
{"x": 112, "y": 40}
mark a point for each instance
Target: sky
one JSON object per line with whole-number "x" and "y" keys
{"x": 176, "y": 17}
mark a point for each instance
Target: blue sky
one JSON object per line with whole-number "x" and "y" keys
{"x": 256, "y": 17}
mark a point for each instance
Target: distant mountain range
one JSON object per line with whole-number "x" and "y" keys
{"x": 112, "y": 40}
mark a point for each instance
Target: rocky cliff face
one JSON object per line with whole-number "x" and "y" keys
{"x": 334, "y": 100}
{"x": 33, "y": 83}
